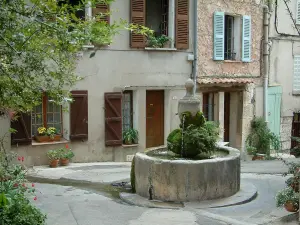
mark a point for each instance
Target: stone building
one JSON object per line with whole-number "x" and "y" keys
{"x": 229, "y": 64}
{"x": 126, "y": 85}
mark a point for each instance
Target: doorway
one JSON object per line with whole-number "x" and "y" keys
{"x": 226, "y": 117}
{"x": 154, "y": 118}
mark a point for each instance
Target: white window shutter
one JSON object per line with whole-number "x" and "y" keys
{"x": 219, "y": 35}
{"x": 296, "y": 79}
{"x": 246, "y": 42}
{"x": 298, "y": 12}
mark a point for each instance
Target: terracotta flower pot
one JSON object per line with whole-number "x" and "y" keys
{"x": 291, "y": 207}
{"x": 64, "y": 162}
{"x": 46, "y": 138}
{"x": 257, "y": 157}
{"x": 54, "y": 163}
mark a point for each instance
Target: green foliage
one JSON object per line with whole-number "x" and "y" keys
{"x": 15, "y": 192}
{"x": 286, "y": 195}
{"x": 130, "y": 136}
{"x": 39, "y": 41}
{"x": 199, "y": 137}
{"x": 53, "y": 154}
{"x": 132, "y": 175}
{"x": 197, "y": 120}
{"x": 157, "y": 42}
{"x": 66, "y": 153}
{"x": 296, "y": 150}
{"x": 261, "y": 139}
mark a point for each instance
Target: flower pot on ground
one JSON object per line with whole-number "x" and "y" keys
{"x": 130, "y": 136}
{"x": 66, "y": 154}
{"x": 288, "y": 199}
{"x": 53, "y": 156}
{"x": 291, "y": 206}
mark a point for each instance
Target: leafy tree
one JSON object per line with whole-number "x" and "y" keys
{"x": 39, "y": 40}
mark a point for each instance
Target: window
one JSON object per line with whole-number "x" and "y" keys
{"x": 157, "y": 16}
{"x": 208, "y": 106}
{"x": 296, "y": 78}
{"x": 164, "y": 18}
{"x": 229, "y": 53}
{"x": 48, "y": 114}
{"x": 78, "y": 13}
{"x": 232, "y": 37}
{"x": 127, "y": 121}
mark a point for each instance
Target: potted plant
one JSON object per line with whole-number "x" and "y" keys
{"x": 158, "y": 42}
{"x": 47, "y": 135}
{"x": 288, "y": 199}
{"x": 53, "y": 156}
{"x": 293, "y": 182}
{"x": 65, "y": 155}
{"x": 130, "y": 136}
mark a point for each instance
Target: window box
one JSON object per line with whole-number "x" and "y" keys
{"x": 40, "y": 139}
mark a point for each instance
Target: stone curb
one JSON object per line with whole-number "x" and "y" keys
{"x": 247, "y": 193}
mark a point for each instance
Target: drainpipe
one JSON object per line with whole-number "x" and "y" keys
{"x": 266, "y": 61}
{"x": 195, "y": 46}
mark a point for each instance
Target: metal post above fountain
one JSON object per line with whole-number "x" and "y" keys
{"x": 189, "y": 103}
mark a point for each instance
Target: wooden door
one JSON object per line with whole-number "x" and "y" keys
{"x": 226, "y": 116}
{"x": 295, "y": 129}
{"x": 274, "y": 103}
{"x": 155, "y": 118}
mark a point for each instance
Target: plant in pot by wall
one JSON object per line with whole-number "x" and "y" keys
{"x": 130, "y": 136}
{"x": 261, "y": 139}
{"x": 66, "y": 154}
{"x": 288, "y": 199}
{"x": 158, "y": 41}
{"x": 53, "y": 156}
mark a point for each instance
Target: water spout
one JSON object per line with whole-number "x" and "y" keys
{"x": 182, "y": 133}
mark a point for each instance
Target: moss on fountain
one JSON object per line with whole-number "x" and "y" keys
{"x": 199, "y": 136}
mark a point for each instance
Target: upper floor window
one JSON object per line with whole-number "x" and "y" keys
{"x": 232, "y": 37}
{"x": 159, "y": 16}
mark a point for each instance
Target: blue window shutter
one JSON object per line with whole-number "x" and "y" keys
{"x": 246, "y": 40}
{"x": 219, "y": 35}
{"x": 298, "y": 13}
{"x": 296, "y": 78}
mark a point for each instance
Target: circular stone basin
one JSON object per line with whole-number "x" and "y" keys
{"x": 188, "y": 180}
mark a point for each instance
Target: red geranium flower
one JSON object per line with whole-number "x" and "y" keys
{"x": 32, "y": 185}
{"x": 67, "y": 146}
{"x": 19, "y": 158}
{"x": 22, "y": 158}
{"x": 35, "y": 198}
{"x": 16, "y": 185}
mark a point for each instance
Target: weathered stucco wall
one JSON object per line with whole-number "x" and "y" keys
{"x": 116, "y": 68}
{"x": 209, "y": 67}
{"x": 283, "y": 47}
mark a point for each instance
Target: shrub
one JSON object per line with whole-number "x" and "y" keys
{"x": 261, "y": 138}
{"x": 287, "y": 195}
{"x": 199, "y": 136}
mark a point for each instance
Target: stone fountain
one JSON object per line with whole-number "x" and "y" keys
{"x": 181, "y": 179}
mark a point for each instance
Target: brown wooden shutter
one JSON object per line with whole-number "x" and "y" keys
{"x": 79, "y": 115}
{"x": 138, "y": 11}
{"x": 113, "y": 118}
{"x": 102, "y": 8}
{"x": 182, "y": 24}
{"x": 23, "y": 127}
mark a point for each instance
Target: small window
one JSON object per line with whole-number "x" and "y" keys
{"x": 127, "y": 110}
{"x": 229, "y": 53}
{"x": 80, "y": 12}
{"x": 48, "y": 114}
{"x": 157, "y": 16}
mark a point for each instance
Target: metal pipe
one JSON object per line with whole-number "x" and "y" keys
{"x": 195, "y": 46}
{"x": 266, "y": 62}
{"x": 172, "y": 22}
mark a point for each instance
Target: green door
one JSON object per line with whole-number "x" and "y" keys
{"x": 274, "y": 104}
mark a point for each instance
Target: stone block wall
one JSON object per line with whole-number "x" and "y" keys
{"x": 285, "y": 132}
{"x": 207, "y": 66}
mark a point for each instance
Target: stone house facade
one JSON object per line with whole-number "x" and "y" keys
{"x": 284, "y": 75}
{"x": 229, "y": 64}
{"x": 125, "y": 85}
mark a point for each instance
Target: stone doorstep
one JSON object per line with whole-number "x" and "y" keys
{"x": 247, "y": 193}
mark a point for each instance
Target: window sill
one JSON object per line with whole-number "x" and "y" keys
{"x": 160, "y": 49}
{"x": 130, "y": 146}
{"x": 62, "y": 141}
{"x": 296, "y": 93}
{"x": 233, "y": 61}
